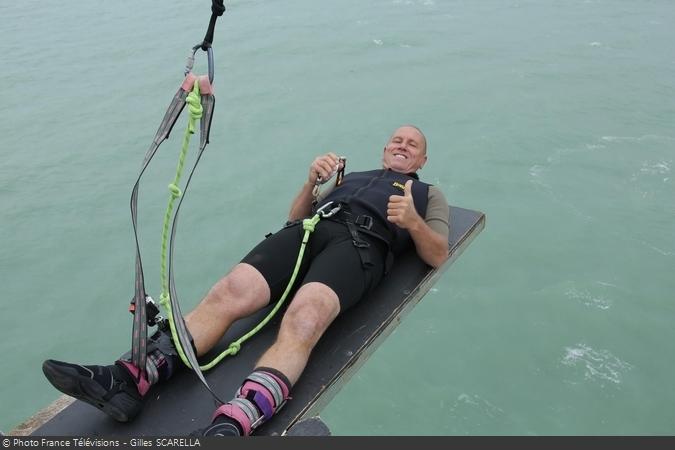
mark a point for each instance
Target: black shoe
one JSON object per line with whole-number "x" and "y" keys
{"x": 109, "y": 388}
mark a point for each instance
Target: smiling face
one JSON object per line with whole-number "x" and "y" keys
{"x": 406, "y": 150}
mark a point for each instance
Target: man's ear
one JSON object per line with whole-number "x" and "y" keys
{"x": 423, "y": 162}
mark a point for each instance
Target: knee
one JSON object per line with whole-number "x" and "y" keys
{"x": 310, "y": 313}
{"x": 243, "y": 288}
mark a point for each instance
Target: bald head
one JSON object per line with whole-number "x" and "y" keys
{"x": 423, "y": 138}
{"x": 406, "y": 151}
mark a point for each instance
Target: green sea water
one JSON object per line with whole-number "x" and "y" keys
{"x": 555, "y": 118}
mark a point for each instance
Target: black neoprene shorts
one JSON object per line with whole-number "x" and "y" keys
{"x": 330, "y": 258}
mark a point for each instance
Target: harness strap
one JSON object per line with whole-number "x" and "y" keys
{"x": 202, "y": 105}
{"x": 140, "y": 325}
{"x": 361, "y": 245}
{"x": 362, "y": 224}
{"x": 204, "y": 101}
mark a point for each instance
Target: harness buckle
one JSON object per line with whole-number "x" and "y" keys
{"x": 365, "y": 222}
{"x": 151, "y": 311}
{"x": 360, "y": 244}
{"x": 322, "y": 211}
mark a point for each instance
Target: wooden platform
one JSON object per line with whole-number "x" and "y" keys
{"x": 183, "y": 405}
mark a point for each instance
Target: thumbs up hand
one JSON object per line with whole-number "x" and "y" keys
{"x": 401, "y": 208}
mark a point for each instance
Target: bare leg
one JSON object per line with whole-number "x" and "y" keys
{"x": 118, "y": 389}
{"x": 310, "y": 313}
{"x": 240, "y": 293}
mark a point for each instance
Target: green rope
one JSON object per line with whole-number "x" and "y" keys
{"x": 308, "y": 225}
{"x": 195, "y": 107}
{"x": 194, "y": 103}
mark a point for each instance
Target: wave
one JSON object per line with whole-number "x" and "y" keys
{"x": 598, "y": 365}
{"x": 588, "y": 299}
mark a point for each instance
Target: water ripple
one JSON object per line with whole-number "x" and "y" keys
{"x": 598, "y": 365}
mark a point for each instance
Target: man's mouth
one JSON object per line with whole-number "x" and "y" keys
{"x": 400, "y": 156}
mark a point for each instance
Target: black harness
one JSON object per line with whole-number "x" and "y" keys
{"x": 359, "y": 225}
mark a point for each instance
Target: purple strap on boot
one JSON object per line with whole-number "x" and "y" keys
{"x": 258, "y": 397}
{"x": 264, "y": 404}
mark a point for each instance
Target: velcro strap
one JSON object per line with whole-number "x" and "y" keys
{"x": 261, "y": 402}
{"x": 235, "y": 413}
{"x": 141, "y": 382}
{"x": 155, "y": 359}
{"x": 247, "y": 406}
{"x": 270, "y": 384}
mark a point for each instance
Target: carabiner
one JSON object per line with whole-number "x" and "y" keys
{"x": 322, "y": 211}
{"x": 191, "y": 61}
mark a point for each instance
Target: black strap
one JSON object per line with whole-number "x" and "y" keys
{"x": 362, "y": 246}
{"x": 217, "y": 10}
{"x": 360, "y": 225}
{"x": 292, "y": 223}
{"x": 140, "y": 325}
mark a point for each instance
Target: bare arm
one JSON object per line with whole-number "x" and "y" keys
{"x": 302, "y": 204}
{"x": 431, "y": 246}
{"x": 324, "y": 166}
